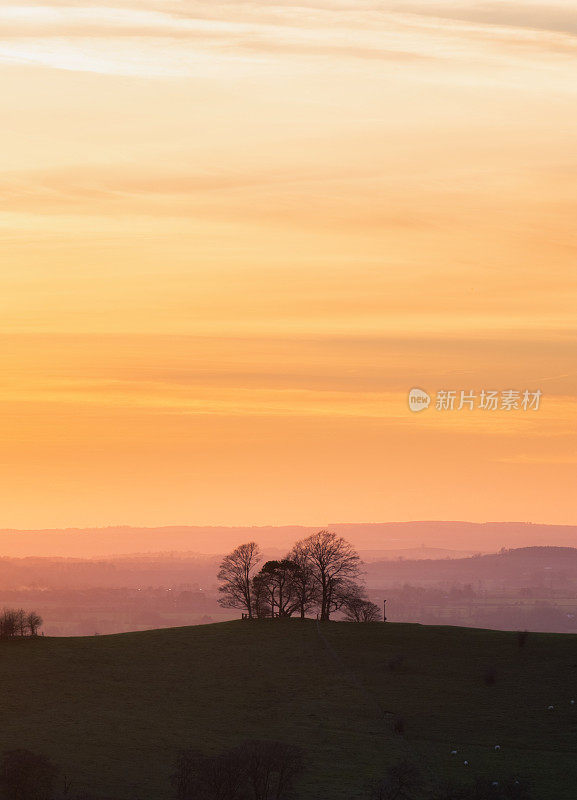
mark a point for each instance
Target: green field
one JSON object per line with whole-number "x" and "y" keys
{"x": 114, "y": 710}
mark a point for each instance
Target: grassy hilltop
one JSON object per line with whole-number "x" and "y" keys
{"x": 113, "y": 710}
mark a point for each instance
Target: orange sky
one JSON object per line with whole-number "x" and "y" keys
{"x": 234, "y": 235}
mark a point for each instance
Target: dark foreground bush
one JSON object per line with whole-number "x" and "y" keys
{"x": 255, "y": 770}
{"x": 490, "y": 677}
{"x": 395, "y": 663}
{"x": 27, "y": 776}
{"x": 399, "y": 726}
{"x": 507, "y": 789}
{"x": 404, "y": 781}
{"x": 401, "y": 782}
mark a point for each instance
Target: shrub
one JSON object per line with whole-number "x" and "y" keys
{"x": 27, "y": 776}
{"x": 255, "y": 770}
{"x": 402, "y": 782}
{"x": 399, "y": 726}
{"x": 490, "y": 677}
{"x": 395, "y": 663}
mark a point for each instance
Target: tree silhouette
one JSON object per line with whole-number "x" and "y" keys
{"x": 275, "y": 591}
{"x": 235, "y": 574}
{"x": 33, "y": 622}
{"x": 303, "y": 580}
{"x": 334, "y": 563}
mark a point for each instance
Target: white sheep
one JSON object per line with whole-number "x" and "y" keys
{"x": 550, "y": 708}
{"x": 497, "y": 747}
{"x": 453, "y": 752}
{"x": 466, "y": 763}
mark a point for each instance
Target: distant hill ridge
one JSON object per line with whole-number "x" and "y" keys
{"x": 522, "y": 565}
{"x": 125, "y": 540}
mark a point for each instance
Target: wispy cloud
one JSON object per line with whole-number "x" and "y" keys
{"x": 120, "y": 37}
{"x": 556, "y": 17}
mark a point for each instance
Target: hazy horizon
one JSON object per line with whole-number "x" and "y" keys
{"x": 110, "y": 541}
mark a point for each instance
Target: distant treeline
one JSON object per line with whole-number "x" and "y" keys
{"x": 17, "y": 622}
{"x": 536, "y": 567}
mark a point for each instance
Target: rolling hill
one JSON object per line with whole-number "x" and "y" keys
{"x": 126, "y": 540}
{"x": 114, "y": 710}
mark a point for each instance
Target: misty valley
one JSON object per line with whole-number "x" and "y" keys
{"x": 524, "y": 588}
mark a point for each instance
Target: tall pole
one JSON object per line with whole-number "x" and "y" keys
{"x": 384, "y": 610}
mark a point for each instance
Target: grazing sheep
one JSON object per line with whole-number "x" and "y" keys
{"x": 497, "y": 747}
{"x": 466, "y": 763}
{"x": 453, "y": 752}
{"x": 550, "y": 708}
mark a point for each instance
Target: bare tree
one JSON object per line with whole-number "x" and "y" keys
{"x": 274, "y": 591}
{"x": 255, "y": 770}
{"x": 261, "y": 596}
{"x": 271, "y": 768}
{"x": 33, "y": 622}
{"x": 333, "y": 562}
{"x": 303, "y": 580}
{"x": 21, "y": 626}
{"x": 16, "y": 622}
{"x": 371, "y": 612}
{"x": 343, "y": 593}
{"x": 221, "y": 777}
{"x": 235, "y": 573}
{"x": 8, "y": 623}
{"x": 356, "y": 607}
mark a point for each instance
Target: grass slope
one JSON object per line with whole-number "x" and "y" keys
{"x": 113, "y": 710}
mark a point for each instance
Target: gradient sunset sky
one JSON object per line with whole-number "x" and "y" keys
{"x": 235, "y": 234}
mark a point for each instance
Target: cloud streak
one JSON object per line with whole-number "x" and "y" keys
{"x": 553, "y": 17}
{"x": 126, "y": 37}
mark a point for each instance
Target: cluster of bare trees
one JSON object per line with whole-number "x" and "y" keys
{"x": 17, "y": 622}
{"x": 255, "y": 770}
{"x": 320, "y": 574}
